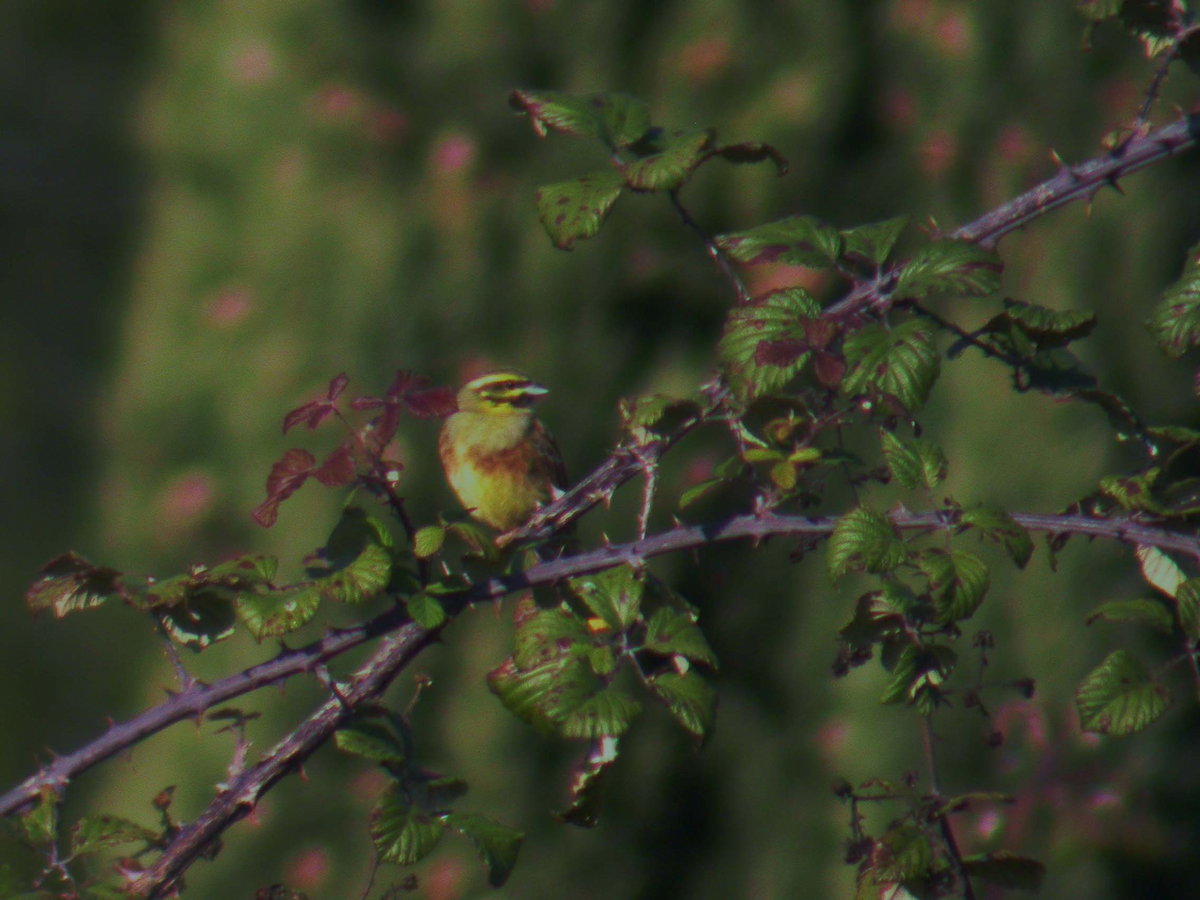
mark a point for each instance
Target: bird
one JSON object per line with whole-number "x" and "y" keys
{"x": 499, "y": 459}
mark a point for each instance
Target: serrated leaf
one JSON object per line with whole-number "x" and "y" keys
{"x": 949, "y": 267}
{"x": 497, "y": 844}
{"x": 690, "y": 700}
{"x": 370, "y": 740}
{"x": 1187, "y": 604}
{"x": 902, "y": 361}
{"x": 617, "y": 119}
{"x": 795, "y": 241}
{"x": 548, "y": 633}
{"x": 674, "y": 632}
{"x": 93, "y": 833}
{"x": 204, "y": 617}
{"x": 428, "y": 541}
{"x": 425, "y": 610}
{"x": 356, "y": 564}
{"x": 1175, "y": 321}
{"x": 872, "y": 243}
{"x": 477, "y": 538}
{"x": 775, "y": 317}
{"x": 575, "y": 210}
{"x": 274, "y": 614}
{"x": 669, "y": 169}
{"x": 1144, "y": 610}
{"x": 997, "y": 525}
{"x": 615, "y": 595}
{"x": 919, "y": 464}
{"x": 1016, "y": 873}
{"x": 918, "y": 674}
{"x": 1133, "y": 492}
{"x": 863, "y": 541}
{"x": 607, "y": 713}
{"x": 1120, "y": 697}
{"x": 545, "y": 694}
{"x": 402, "y": 834}
{"x": 69, "y": 583}
{"x": 958, "y": 581}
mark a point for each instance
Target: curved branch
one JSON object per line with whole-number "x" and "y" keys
{"x": 191, "y": 703}
{"x": 1070, "y": 184}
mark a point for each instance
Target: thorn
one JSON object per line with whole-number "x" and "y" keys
{"x": 604, "y": 539}
{"x": 676, "y": 522}
{"x": 1112, "y": 180}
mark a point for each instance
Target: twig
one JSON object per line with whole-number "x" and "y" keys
{"x": 710, "y": 245}
{"x": 1070, "y": 184}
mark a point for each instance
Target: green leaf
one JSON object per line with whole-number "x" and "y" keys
{"x": 958, "y": 581}
{"x": 997, "y": 525}
{"x": 607, "y": 713}
{"x": 587, "y": 782}
{"x": 906, "y": 854}
{"x": 1120, "y": 697}
{"x": 356, "y": 564}
{"x": 654, "y": 415}
{"x": 1187, "y": 605}
{"x": 244, "y": 573}
{"x": 690, "y": 700}
{"x": 545, "y": 694}
{"x": 918, "y": 675}
{"x": 498, "y": 844}
{"x": 682, "y": 152}
{"x": 949, "y": 267}
{"x": 477, "y": 538}
{"x": 872, "y": 243}
{"x": 1134, "y": 492}
{"x": 864, "y": 541}
{"x": 699, "y": 490}
{"x": 876, "y": 614}
{"x": 795, "y": 241}
{"x": 69, "y": 583}
{"x": 1159, "y": 570}
{"x": 1175, "y": 321}
{"x": 615, "y": 595}
{"x": 204, "y": 617}
{"x": 278, "y": 613}
{"x": 40, "y": 823}
{"x": 1016, "y": 873}
{"x": 617, "y": 119}
{"x": 674, "y": 632}
{"x": 774, "y": 317}
{"x": 575, "y": 210}
{"x": 370, "y": 740}
{"x": 920, "y": 464}
{"x": 402, "y": 834}
{"x": 425, "y": 610}
{"x": 1048, "y": 327}
{"x": 902, "y": 361}
{"x": 428, "y": 541}
{"x": 1099, "y": 10}
{"x": 548, "y": 633}
{"x": 93, "y": 833}
{"x": 1145, "y": 610}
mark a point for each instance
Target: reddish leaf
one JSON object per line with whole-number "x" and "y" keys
{"x": 405, "y": 383}
{"x": 367, "y": 402}
{"x": 336, "y": 385}
{"x": 779, "y": 353}
{"x": 431, "y": 403}
{"x": 287, "y": 475}
{"x": 339, "y": 467}
{"x": 752, "y": 152}
{"x": 829, "y": 368}
{"x": 378, "y": 433}
{"x": 311, "y": 414}
{"x": 820, "y": 332}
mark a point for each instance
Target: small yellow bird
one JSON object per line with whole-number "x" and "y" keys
{"x": 499, "y": 459}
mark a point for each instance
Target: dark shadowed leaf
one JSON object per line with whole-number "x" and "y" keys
{"x": 617, "y": 119}
{"x": 69, "y": 583}
{"x": 204, "y": 617}
{"x": 274, "y": 614}
{"x": 587, "y": 782}
{"x": 1017, "y": 873}
{"x": 1175, "y": 321}
{"x": 872, "y": 243}
{"x": 958, "y": 581}
{"x": 615, "y": 595}
{"x": 997, "y": 525}
{"x": 864, "y": 541}
{"x": 497, "y": 844}
{"x": 1143, "y": 610}
{"x": 356, "y": 564}
{"x": 689, "y": 698}
{"x": 370, "y": 740}
{"x": 675, "y": 632}
{"x": 93, "y": 833}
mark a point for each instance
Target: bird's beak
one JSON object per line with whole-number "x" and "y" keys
{"x": 535, "y": 390}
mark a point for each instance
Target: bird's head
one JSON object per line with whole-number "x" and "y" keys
{"x": 503, "y": 392}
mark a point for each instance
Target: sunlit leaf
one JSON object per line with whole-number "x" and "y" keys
{"x": 796, "y": 241}
{"x": 402, "y": 834}
{"x": 617, "y": 119}
{"x": 1143, "y": 610}
{"x": 614, "y": 594}
{"x": 576, "y": 209}
{"x": 872, "y": 243}
{"x": 274, "y": 614}
{"x": 69, "y": 583}
{"x": 370, "y": 740}
{"x": 997, "y": 525}
{"x": 902, "y": 361}
{"x": 672, "y": 632}
{"x": 864, "y": 541}
{"x": 949, "y": 267}
{"x": 774, "y": 317}
{"x": 1175, "y": 321}
{"x": 670, "y": 168}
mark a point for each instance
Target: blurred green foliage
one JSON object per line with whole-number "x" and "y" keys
{"x": 213, "y": 208}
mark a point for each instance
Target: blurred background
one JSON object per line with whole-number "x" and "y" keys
{"x": 209, "y": 209}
